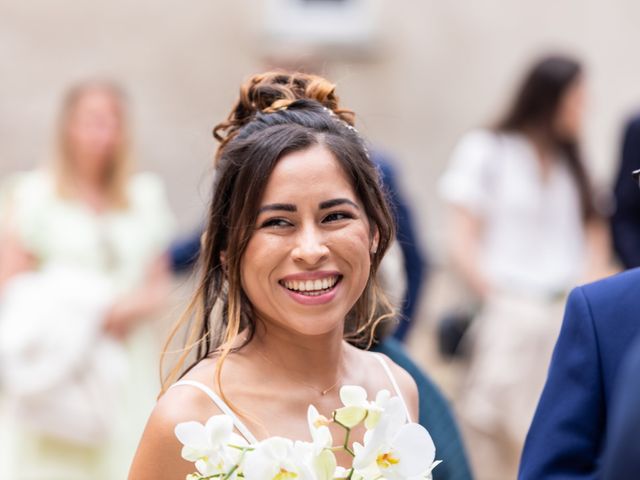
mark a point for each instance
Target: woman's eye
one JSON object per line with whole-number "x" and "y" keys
{"x": 336, "y": 216}
{"x": 275, "y": 222}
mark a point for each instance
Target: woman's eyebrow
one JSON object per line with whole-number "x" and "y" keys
{"x": 337, "y": 201}
{"x": 286, "y": 207}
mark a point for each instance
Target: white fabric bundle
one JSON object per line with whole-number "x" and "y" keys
{"x": 56, "y": 364}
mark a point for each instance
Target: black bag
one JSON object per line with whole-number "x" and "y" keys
{"x": 451, "y": 329}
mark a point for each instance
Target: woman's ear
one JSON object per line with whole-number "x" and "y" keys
{"x": 223, "y": 260}
{"x": 375, "y": 241}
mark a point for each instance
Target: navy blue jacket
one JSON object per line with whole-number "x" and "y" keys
{"x": 568, "y": 431}
{"x": 622, "y": 452}
{"x": 625, "y": 222}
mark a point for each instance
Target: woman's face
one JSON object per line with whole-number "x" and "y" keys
{"x": 308, "y": 260}
{"x": 94, "y": 131}
{"x": 571, "y": 111}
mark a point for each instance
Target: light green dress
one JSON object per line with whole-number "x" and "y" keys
{"x": 119, "y": 244}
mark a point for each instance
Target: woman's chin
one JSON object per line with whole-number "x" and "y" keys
{"x": 313, "y": 326}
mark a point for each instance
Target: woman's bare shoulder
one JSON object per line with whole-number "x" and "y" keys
{"x": 406, "y": 383}
{"x": 158, "y": 455}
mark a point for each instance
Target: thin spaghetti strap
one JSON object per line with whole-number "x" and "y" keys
{"x": 392, "y": 378}
{"x": 242, "y": 428}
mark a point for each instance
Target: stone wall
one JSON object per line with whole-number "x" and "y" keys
{"x": 437, "y": 69}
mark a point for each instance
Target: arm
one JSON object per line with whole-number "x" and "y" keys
{"x": 414, "y": 258}
{"x": 14, "y": 258}
{"x": 564, "y": 439}
{"x": 143, "y": 301}
{"x": 464, "y": 237}
{"x": 184, "y": 253}
{"x": 598, "y": 250}
{"x": 625, "y": 223}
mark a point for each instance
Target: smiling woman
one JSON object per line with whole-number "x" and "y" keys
{"x": 297, "y": 228}
{"x": 311, "y": 250}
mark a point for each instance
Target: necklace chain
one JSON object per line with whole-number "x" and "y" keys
{"x": 308, "y": 385}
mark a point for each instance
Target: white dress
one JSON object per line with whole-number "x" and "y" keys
{"x": 532, "y": 252}
{"x": 118, "y": 246}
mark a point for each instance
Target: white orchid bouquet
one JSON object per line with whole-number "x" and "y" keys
{"x": 393, "y": 449}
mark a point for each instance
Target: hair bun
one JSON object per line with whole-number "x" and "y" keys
{"x": 272, "y": 91}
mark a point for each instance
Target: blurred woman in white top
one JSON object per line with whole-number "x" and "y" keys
{"x": 81, "y": 265}
{"x": 523, "y": 229}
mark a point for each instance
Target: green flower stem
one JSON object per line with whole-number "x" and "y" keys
{"x": 230, "y": 472}
{"x": 237, "y": 465}
{"x": 240, "y": 447}
{"x": 345, "y": 446}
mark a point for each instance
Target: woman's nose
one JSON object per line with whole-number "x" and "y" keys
{"x": 310, "y": 247}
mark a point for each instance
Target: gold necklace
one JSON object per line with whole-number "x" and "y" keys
{"x": 308, "y": 385}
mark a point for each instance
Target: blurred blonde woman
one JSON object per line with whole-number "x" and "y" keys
{"x": 523, "y": 231}
{"x": 81, "y": 265}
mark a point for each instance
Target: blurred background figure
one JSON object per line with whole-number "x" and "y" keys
{"x": 81, "y": 266}
{"x": 413, "y": 261}
{"x": 625, "y": 221}
{"x": 523, "y": 229}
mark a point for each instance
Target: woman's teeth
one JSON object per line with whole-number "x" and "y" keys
{"x": 311, "y": 287}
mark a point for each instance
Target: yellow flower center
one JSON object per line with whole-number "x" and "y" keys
{"x": 385, "y": 460}
{"x": 321, "y": 421}
{"x": 285, "y": 475}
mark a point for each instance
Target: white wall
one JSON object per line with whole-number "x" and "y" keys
{"x": 439, "y": 68}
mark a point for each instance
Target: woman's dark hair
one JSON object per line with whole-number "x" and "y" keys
{"x": 536, "y": 106}
{"x": 276, "y": 114}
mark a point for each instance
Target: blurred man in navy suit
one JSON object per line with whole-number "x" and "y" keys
{"x": 567, "y": 436}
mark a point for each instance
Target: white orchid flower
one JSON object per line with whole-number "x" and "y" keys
{"x": 395, "y": 450}
{"x": 428, "y": 474}
{"x": 322, "y": 458}
{"x": 319, "y": 428}
{"x": 341, "y": 473}
{"x": 357, "y": 408}
{"x": 278, "y": 458}
{"x": 392, "y": 449}
{"x": 376, "y": 408}
{"x": 207, "y": 445}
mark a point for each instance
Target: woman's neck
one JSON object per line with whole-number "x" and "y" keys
{"x": 316, "y": 361}
{"x": 90, "y": 189}
{"x": 542, "y": 144}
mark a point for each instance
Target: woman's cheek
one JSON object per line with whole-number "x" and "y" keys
{"x": 352, "y": 244}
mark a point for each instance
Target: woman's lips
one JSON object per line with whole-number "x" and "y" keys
{"x": 312, "y": 291}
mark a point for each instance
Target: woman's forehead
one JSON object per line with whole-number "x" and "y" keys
{"x": 308, "y": 174}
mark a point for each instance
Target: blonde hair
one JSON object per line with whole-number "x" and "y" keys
{"x": 276, "y": 113}
{"x": 120, "y": 167}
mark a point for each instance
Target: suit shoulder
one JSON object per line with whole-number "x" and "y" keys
{"x": 633, "y": 122}
{"x": 622, "y": 287}
{"x": 610, "y": 305}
